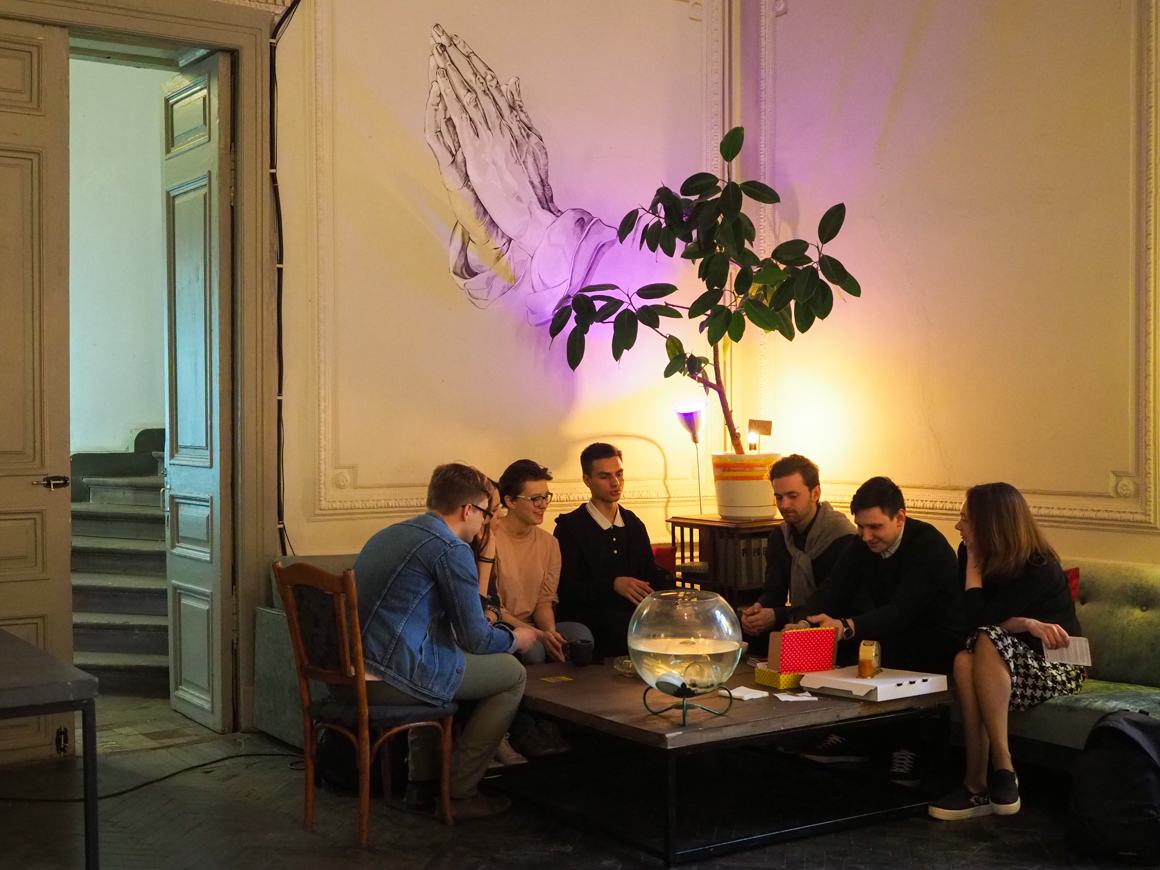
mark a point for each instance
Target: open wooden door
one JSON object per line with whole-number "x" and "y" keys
{"x": 199, "y": 462}
{"x": 35, "y": 542}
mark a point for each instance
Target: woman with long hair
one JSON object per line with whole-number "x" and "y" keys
{"x": 1017, "y": 603}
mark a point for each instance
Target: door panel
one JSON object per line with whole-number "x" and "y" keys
{"x": 35, "y": 543}
{"x": 199, "y": 559}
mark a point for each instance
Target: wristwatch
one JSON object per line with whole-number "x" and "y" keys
{"x": 847, "y": 630}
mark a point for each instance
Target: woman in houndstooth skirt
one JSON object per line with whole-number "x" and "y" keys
{"x": 1017, "y": 603}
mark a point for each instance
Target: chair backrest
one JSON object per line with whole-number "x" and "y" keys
{"x": 322, "y": 615}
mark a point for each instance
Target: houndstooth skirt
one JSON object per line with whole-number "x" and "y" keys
{"x": 1033, "y": 678}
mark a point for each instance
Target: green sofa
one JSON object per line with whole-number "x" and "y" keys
{"x": 1119, "y": 610}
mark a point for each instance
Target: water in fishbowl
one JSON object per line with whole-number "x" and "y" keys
{"x": 684, "y": 666}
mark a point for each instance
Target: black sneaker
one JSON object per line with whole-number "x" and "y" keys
{"x": 1004, "y": 786}
{"x": 420, "y": 797}
{"x": 962, "y": 803}
{"x": 904, "y": 768}
{"x": 833, "y": 748}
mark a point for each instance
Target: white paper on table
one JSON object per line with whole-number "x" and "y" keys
{"x": 1077, "y": 652}
{"x": 786, "y": 696}
{"x": 744, "y": 693}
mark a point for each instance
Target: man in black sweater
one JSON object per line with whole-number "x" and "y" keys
{"x": 606, "y": 561}
{"x": 800, "y": 552}
{"x": 899, "y": 585}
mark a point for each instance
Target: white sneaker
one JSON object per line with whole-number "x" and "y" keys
{"x": 505, "y": 756}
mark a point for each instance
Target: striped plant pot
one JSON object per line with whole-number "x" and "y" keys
{"x": 742, "y": 484}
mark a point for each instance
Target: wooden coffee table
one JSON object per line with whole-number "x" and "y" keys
{"x": 602, "y": 701}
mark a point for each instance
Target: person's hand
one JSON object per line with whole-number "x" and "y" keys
{"x": 1052, "y": 635}
{"x": 495, "y": 140}
{"x": 801, "y": 623}
{"x": 525, "y": 638}
{"x": 756, "y": 619}
{"x": 631, "y": 588}
{"x": 553, "y": 643}
{"x": 821, "y": 620}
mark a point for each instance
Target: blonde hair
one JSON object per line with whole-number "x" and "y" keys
{"x": 1006, "y": 534}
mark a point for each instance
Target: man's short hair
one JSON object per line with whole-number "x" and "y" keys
{"x": 454, "y": 485}
{"x": 511, "y": 482}
{"x": 878, "y": 492}
{"x": 596, "y": 451}
{"x": 795, "y": 463}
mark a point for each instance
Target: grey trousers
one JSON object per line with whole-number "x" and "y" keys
{"x": 496, "y": 684}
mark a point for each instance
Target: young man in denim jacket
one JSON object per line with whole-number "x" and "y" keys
{"x": 425, "y": 638}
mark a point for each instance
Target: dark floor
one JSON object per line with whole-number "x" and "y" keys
{"x": 246, "y": 813}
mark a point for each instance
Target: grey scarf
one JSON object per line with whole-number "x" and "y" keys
{"x": 829, "y": 525}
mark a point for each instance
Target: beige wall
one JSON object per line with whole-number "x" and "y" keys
{"x": 117, "y": 255}
{"x": 994, "y": 161}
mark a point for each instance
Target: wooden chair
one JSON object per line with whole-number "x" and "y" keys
{"x": 322, "y": 614}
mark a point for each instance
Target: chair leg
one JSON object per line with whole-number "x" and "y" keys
{"x": 385, "y": 763}
{"x": 445, "y": 770}
{"x": 364, "y": 787}
{"x": 308, "y": 820}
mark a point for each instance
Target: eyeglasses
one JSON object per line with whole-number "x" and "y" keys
{"x": 487, "y": 515}
{"x": 538, "y": 500}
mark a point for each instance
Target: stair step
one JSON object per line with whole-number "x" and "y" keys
{"x": 119, "y": 593}
{"x": 125, "y": 490}
{"x": 103, "y": 520}
{"x": 117, "y": 555}
{"x": 127, "y": 673}
{"x": 121, "y": 633}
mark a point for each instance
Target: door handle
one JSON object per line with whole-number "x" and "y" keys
{"x": 52, "y": 481}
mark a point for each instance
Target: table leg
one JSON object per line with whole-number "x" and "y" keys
{"x": 670, "y": 809}
{"x": 89, "y": 729}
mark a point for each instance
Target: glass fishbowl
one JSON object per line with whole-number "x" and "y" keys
{"x": 684, "y": 642}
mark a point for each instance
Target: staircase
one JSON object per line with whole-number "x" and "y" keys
{"x": 120, "y": 608}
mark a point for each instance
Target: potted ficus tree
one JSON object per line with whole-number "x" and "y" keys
{"x": 785, "y": 292}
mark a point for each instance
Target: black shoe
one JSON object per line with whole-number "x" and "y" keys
{"x": 539, "y": 742}
{"x": 904, "y": 769}
{"x": 420, "y": 797}
{"x": 834, "y": 748}
{"x": 962, "y": 803}
{"x": 1004, "y": 787}
{"x": 552, "y": 733}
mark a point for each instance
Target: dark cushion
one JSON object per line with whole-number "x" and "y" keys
{"x": 382, "y": 716}
{"x": 1119, "y": 611}
{"x": 1066, "y": 720}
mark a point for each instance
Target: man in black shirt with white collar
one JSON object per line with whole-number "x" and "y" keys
{"x": 606, "y": 560}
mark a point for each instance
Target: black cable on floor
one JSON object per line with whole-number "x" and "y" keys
{"x": 141, "y": 785}
{"x": 276, "y": 36}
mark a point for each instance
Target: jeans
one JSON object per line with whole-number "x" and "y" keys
{"x": 496, "y": 683}
{"x": 572, "y": 631}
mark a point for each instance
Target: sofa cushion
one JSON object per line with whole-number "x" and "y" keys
{"x": 1119, "y": 610}
{"x": 1067, "y": 720}
{"x": 333, "y": 564}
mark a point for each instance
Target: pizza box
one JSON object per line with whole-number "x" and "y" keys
{"x": 886, "y": 685}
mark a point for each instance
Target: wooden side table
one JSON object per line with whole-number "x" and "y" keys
{"x": 729, "y": 554}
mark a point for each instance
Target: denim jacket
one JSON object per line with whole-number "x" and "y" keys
{"x": 418, "y": 603}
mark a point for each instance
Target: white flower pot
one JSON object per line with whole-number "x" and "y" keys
{"x": 742, "y": 484}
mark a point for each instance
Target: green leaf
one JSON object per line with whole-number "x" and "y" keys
{"x": 673, "y": 347}
{"x": 831, "y": 222}
{"x": 696, "y": 364}
{"x": 717, "y": 272}
{"x": 726, "y": 237}
{"x": 832, "y": 269}
{"x": 709, "y": 214}
{"x": 746, "y": 257}
{"x": 803, "y": 316}
{"x": 822, "y": 302}
{"x": 692, "y": 251}
{"x": 803, "y": 286}
{"x": 676, "y": 364}
{"x": 608, "y": 309}
{"x": 731, "y": 143}
{"x": 760, "y": 192}
{"x": 743, "y": 281}
{"x": 718, "y": 323}
{"x": 736, "y": 326}
{"x": 624, "y": 330}
{"x": 731, "y": 201}
{"x": 598, "y": 288}
{"x": 668, "y": 241}
{"x": 647, "y": 316}
{"x": 700, "y": 183}
{"x": 627, "y": 225}
{"x": 560, "y": 320}
{"x": 653, "y": 235}
{"x": 584, "y": 307}
{"x": 748, "y": 230}
{"x": 575, "y": 347}
{"x": 785, "y": 324}
{"x": 783, "y": 295}
{"x": 760, "y": 315}
{"x": 851, "y": 286}
{"x": 656, "y": 291}
{"x": 770, "y": 274}
{"x": 666, "y": 311}
{"x": 790, "y": 250}
{"x": 704, "y": 302}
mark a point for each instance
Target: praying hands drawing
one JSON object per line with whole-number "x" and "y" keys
{"x": 509, "y": 235}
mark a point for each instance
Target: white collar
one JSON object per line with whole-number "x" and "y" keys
{"x": 601, "y": 519}
{"x": 893, "y": 548}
